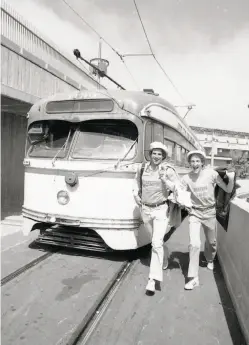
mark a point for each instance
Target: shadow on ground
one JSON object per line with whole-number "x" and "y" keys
{"x": 228, "y": 308}
{"x": 108, "y": 255}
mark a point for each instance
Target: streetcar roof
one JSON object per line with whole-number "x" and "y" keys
{"x": 132, "y": 101}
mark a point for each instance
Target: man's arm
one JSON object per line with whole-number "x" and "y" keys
{"x": 184, "y": 185}
{"x": 226, "y": 187}
{"x": 169, "y": 178}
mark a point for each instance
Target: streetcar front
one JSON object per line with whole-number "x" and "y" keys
{"x": 81, "y": 159}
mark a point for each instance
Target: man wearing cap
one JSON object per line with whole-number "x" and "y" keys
{"x": 151, "y": 196}
{"x": 201, "y": 182}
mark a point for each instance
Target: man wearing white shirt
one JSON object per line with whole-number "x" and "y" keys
{"x": 201, "y": 182}
{"x": 151, "y": 196}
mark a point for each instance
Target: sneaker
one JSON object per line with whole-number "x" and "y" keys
{"x": 165, "y": 264}
{"x": 192, "y": 284}
{"x": 210, "y": 266}
{"x": 151, "y": 285}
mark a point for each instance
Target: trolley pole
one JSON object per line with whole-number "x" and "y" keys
{"x": 78, "y": 56}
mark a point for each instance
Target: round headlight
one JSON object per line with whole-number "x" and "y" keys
{"x": 63, "y": 197}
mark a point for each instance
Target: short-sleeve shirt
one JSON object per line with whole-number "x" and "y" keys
{"x": 202, "y": 188}
{"x": 153, "y": 189}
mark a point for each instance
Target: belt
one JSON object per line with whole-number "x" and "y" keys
{"x": 203, "y": 208}
{"x": 155, "y": 205}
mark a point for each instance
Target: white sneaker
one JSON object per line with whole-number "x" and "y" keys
{"x": 192, "y": 284}
{"x": 210, "y": 266}
{"x": 151, "y": 285}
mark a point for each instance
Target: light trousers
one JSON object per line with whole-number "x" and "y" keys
{"x": 156, "y": 221}
{"x": 210, "y": 249}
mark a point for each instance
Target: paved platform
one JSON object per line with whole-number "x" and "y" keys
{"x": 11, "y": 224}
{"x": 173, "y": 316}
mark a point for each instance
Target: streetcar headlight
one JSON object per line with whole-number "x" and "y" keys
{"x": 63, "y": 197}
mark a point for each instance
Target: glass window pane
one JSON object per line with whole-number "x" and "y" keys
{"x": 147, "y": 139}
{"x": 106, "y": 139}
{"x": 183, "y": 156}
{"x": 186, "y": 160}
{"x": 178, "y": 155}
{"x": 171, "y": 150}
{"x": 48, "y": 138}
{"x": 81, "y": 106}
{"x": 157, "y": 132}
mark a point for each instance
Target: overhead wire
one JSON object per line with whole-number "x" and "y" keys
{"x": 103, "y": 39}
{"x": 153, "y": 54}
{"x": 127, "y": 55}
{"x": 90, "y": 26}
{"x": 145, "y": 33}
{"x": 128, "y": 70}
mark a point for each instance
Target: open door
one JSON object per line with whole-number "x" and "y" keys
{"x": 223, "y": 199}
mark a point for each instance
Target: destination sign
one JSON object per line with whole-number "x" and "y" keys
{"x": 79, "y": 106}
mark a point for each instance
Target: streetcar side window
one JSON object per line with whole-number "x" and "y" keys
{"x": 171, "y": 150}
{"x": 157, "y": 132}
{"x": 184, "y": 157}
{"x": 148, "y": 138}
{"x": 181, "y": 156}
{"x": 186, "y": 160}
{"x": 178, "y": 155}
{"x": 177, "y": 143}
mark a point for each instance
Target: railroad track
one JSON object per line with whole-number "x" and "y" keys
{"x": 82, "y": 334}
{"x": 89, "y": 324}
{"x": 25, "y": 268}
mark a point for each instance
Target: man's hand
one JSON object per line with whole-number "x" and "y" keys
{"x": 162, "y": 173}
{"x": 230, "y": 175}
{"x": 188, "y": 209}
{"x": 138, "y": 200}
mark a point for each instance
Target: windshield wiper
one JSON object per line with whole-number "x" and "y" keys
{"x": 126, "y": 154}
{"x": 63, "y": 147}
{"x": 44, "y": 138}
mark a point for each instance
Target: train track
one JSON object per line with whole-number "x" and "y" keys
{"x": 25, "y": 268}
{"x": 81, "y": 335}
{"x": 89, "y": 324}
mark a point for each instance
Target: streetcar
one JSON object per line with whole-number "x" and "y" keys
{"x": 82, "y": 152}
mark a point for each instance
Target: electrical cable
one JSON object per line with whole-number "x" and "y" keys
{"x": 104, "y": 40}
{"x": 153, "y": 54}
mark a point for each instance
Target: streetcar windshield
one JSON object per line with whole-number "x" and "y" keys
{"x": 106, "y": 139}
{"x": 46, "y": 138}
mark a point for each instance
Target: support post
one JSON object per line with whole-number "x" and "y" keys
{"x": 212, "y": 151}
{"x": 100, "y": 50}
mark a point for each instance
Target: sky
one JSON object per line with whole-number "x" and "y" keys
{"x": 203, "y": 46}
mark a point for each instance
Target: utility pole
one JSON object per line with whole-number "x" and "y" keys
{"x": 100, "y": 51}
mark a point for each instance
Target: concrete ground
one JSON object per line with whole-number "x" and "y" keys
{"x": 173, "y": 316}
{"x": 45, "y": 304}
